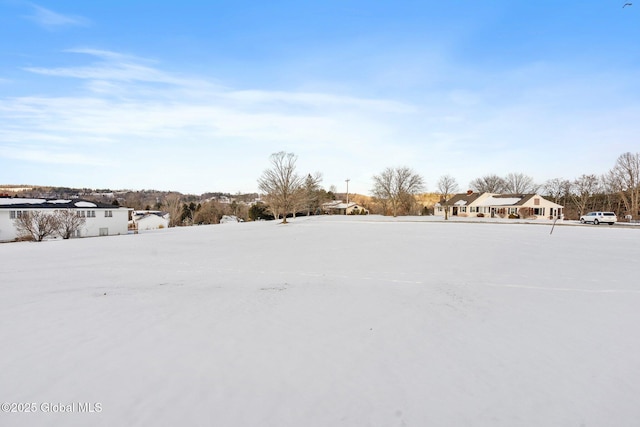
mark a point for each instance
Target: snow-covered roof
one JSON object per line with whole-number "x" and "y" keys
{"x": 139, "y": 215}
{"x": 85, "y": 204}
{"x": 499, "y": 201}
{"x": 339, "y": 205}
{"x": 17, "y": 202}
{"x": 462, "y": 199}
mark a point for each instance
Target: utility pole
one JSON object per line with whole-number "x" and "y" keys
{"x": 347, "y": 181}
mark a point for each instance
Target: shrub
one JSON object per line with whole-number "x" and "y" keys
{"x": 526, "y": 213}
{"x": 37, "y": 224}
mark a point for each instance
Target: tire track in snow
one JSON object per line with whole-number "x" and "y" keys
{"x": 368, "y": 277}
{"x": 538, "y": 288}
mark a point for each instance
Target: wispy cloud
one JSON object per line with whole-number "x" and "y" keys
{"x": 112, "y": 66}
{"x": 131, "y": 112}
{"x": 45, "y": 155}
{"x": 131, "y": 103}
{"x": 51, "y": 20}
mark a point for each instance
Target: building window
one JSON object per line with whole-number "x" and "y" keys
{"x": 12, "y": 214}
{"x": 536, "y": 202}
{"x": 108, "y": 214}
{"x": 91, "y": 214}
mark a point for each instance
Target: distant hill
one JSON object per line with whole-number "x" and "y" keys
{"x": 137, "y": 199}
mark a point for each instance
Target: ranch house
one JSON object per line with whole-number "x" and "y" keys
{"x": 470, "y": 204}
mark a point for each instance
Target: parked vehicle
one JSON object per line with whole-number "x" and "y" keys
{"x": 598, "y": 217}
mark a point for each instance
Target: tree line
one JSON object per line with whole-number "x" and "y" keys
{"x": 398, "y": 190}
{"x": 395, "y": 191}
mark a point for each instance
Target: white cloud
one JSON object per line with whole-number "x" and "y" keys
{"x": 320, "y": 100}
{"x": 187, "y": 120}
{"x": 43, "y": 155}
{"x": 51, "y": 20}
{"x": 137, "y": 116}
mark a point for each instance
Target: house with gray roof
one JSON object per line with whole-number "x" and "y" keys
{"x": 101, "y": 219}
{"x": 338, "y": 207}
{"x": 149, "y": 220}
{"x": 470, "y": 204}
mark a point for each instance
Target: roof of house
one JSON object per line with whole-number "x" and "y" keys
{"x": 339, "y": 205}
{"x": 512, "y": 200}
{"x": 20, "y": 203}
{"x": 503, "y": 200}
{"x": 147, "y": 212}
{"x": 463, "y": 199}
{"x": 141, "y": 215}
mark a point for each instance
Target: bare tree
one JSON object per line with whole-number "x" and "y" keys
{"x": 383, "y": 189}
{"x": 68, "y": 223}
{"x": 173, "y": 204}
{"x": 610, "y": 195}
{"x": 519, "y": 183}
{"x": 557, "y": 188}
{"x": 394, "y": 186}
{"x": 625, "y": 179}
{"x": 447, "y": 186}
{"x": 298, "y": 200}
{"x": 281, "y": 184}
{"x": 488, "y": 184}
{"x": 584, "y": 187}
{"x": 209, "y": 213}
{"x": 36, "y": 224}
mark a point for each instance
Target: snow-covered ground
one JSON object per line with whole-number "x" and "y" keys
{"x": 327, "y": 321}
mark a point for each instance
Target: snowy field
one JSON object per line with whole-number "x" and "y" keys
{"x": 327, "y": 321}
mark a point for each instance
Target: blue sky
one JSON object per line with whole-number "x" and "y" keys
{"x": 194, "y": 96}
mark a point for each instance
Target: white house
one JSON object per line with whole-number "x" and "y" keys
{"x": 470, "y": 204}
{"x": 337, "y": 207}
{"x": 100, "y": 219}
{"x": 150, "y": 220}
